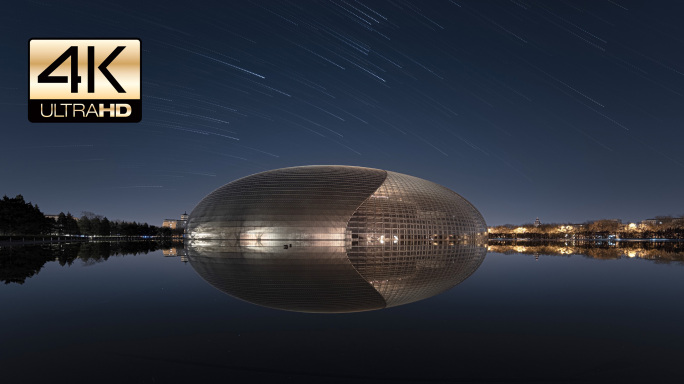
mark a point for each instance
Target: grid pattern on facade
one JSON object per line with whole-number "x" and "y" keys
{"x": 411, "y": 237}
{"x": 300, "y": 203}
{"x": 404, "y": 274}
{"x": 322, "y": 279}
{"x": 410, "y": 210}
{"x": 334, "y": 239}
{"x": 302, "y": 279}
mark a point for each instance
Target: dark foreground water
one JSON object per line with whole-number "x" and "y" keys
{"x": 114, "y": 313}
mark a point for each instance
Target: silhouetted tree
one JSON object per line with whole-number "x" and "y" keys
{"x": 95, "y": 225}
{"x": 85, "y": 226}
{"x": 67, "y": 224}
{"x": 19, "y": 263}
{"x": 105, "y": 227}
{"x": 72, "y": 225}
{"x": 164, "y": 232}
{"x": 61, "y": 224}
{"x": 22, "y": 218}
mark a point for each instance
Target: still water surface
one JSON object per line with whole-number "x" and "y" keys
{"x": 126, "y": 313}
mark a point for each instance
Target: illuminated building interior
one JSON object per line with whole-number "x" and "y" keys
{"x": 334, "y": 238}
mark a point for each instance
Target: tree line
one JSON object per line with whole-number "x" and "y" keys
{"x": 657, "y": 251}
{"x": 19, "y": 263}
{"x": 668, "y": 227}
{"x": 18, "y": 217}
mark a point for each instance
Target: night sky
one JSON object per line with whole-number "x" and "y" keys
{"x": 565, "y": 110}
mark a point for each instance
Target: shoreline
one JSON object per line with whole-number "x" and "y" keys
{"x": 41, "y": 240}
{"x": 561, "y": 239}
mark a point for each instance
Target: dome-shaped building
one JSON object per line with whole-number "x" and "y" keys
{"x": 334, "y": 203}
{"x": 289, "y": 237}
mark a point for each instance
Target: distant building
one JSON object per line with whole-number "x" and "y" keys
{"x": 174, "y": 252}
{"x": 537, "y": 222}
{"x": 659, "y": 221}
{"x": 56, "y": 217}
{"x": 170, "y": 223}
{"x": 176, "y": 224}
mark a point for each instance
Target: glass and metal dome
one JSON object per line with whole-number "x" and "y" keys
{"x": 334, "y": 238}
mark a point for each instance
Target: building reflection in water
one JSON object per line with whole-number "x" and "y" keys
{"x": 175, "y": 252}
{"x": 658, "y": 251}
{"x": 308, "y": 277}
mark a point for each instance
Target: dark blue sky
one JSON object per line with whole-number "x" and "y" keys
{"x": 565, "y": 110}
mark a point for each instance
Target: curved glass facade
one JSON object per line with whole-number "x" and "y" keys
{"x": 301, "y": 203}
{"x": 427, "y": 231}
{"x": 334, "y": 238}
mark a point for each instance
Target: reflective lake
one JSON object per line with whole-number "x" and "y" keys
{"x": 540, "y": 312}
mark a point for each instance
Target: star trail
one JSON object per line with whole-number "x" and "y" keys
{"x": 567, "y": 110}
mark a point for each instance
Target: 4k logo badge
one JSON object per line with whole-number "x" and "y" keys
{"x": 84, "y": 80}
